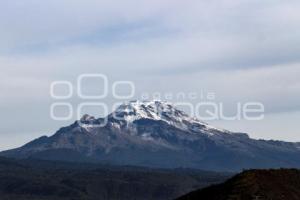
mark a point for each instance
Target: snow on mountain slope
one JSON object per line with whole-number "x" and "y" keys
{"x": 164, "y": 111}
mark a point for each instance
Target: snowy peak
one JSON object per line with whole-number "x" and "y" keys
{"x": 129, "y": 112}
{"x": 160, "y": 110}
{"x": 156, "y": 110}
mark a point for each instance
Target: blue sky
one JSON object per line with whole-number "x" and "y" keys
{"x": 241, "y": 50}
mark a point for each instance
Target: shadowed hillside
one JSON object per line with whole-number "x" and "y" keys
{"x": 283, "y": 184}
{"x": 44, "y": 180}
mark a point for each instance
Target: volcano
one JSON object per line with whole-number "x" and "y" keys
{"x": 157, "y": 134}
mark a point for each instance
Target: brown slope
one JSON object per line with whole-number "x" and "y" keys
{"x": 281, "y": 184}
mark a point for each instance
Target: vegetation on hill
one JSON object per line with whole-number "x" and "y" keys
{"x": 281, "y": 184}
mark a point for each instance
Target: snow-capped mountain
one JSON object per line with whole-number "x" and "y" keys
{"x": 156, "y": 134}
{"x": 160, "y": 111}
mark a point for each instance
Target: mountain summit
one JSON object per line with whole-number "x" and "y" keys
{"x": 160, "y": 111}
{"x": 157, "y": 134}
